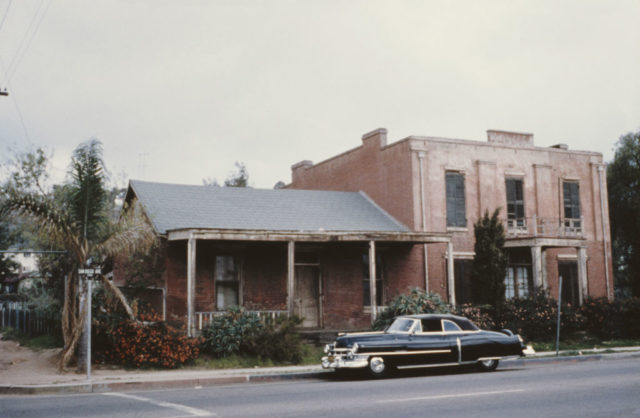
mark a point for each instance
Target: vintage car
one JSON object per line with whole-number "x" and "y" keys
{"x": 423, "y": 341}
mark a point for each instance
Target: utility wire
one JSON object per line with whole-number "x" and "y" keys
{"x": 6, "y": 12}
{"x": 28, "y": 45}
{"x": 15, "y": 103}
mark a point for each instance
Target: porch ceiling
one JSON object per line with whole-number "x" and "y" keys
{"x": 306, "y": 236}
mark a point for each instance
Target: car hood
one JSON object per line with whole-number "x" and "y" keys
{"x": 365, "y": 338}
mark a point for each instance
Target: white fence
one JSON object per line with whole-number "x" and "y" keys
{"x": 203, "y": 318}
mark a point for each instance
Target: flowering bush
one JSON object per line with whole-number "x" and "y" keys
{"x": 141, "y": 344}
{"x": 535, "y": 318}
{"x": 607, "y": 320}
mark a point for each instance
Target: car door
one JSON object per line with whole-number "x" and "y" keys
{"x": 430, "y": 345}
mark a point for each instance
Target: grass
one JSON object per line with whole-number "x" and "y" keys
{"x": 311, "y": 356}
{"x": 37, "y": 343}
{"x": 584, "y": 344}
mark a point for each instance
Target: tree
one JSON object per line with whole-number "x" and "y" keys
{"x": 76, "y": 218}
{"x": 238, "y": 178}
{"x": 623, "y": 183}
{"x": 489, "y": 262}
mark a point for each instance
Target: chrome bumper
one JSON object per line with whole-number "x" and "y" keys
{"x": 343, "y": 358}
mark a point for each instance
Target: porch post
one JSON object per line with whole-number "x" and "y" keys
{"x": 450, "y": 274}
{"x": 191, "y": 282}
{"x": 372, "y": 280}
{"x": 290, "y": 276}
{"x": 536, "y": 264}
{"x": 545, "y": 281}
{"x": 582, "y": 274}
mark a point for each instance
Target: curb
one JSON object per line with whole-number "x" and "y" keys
{"x": 122, "y": 386}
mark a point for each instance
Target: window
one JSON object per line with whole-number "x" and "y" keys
{"x": 227, "y": 282}
{"x": 456, "y": 211}
{"x": 366, "y": 294}
{"x": 450, "y": 326}
{"x": 571, "y": 193}
{"x": 570, "y": 289}
{"x": 462, "y": 279}
{"x": 517, "y": 282}
{"x": 515, "y": 203}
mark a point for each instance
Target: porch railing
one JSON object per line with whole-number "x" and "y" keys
{"x": 544, "y": 227}
{"x": 203, "y": 318}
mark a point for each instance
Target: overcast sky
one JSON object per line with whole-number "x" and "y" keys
{"x": 178, "y": 91}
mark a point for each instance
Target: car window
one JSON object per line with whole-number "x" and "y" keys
{"x": 431, "y": 325}
{"x": 466, "y": 325}
{"x": 401, "y": 325}
{"x": 450, "y": 326}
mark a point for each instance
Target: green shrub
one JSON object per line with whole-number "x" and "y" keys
{"x": 416, "y": 302}
{"x": 479, "y": 315}
{"x": 278, "y": 341}
{"x": 535, "y": 318}
{"x": 138, "y": 344}
{"x": 607, "y": 320}
{"x": 231, "y": 332}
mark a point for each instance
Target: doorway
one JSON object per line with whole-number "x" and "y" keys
{"x": 307, "y": 295}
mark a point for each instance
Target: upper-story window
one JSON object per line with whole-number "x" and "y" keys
{"x": 571, "y": 193}
{"x": 515, "y": 203}
{"x": 456, "y": 207}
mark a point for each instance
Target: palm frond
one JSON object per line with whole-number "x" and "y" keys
{"x": 46, "y": 214}
{"x": 132, "y": 233}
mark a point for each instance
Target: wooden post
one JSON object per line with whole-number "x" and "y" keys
{"x": 191, "y": 281}
{"x": 290, "y": 276}
{"x": 536, "y": 259}
{"x": 450, "y": 274}
{"x": 372, "y": 280}
{"x": 582, "y": 274}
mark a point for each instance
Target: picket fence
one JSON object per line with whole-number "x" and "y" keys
{"x": 19, "y": 316}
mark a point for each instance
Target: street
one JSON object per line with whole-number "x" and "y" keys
{"x": 594, "y": 388}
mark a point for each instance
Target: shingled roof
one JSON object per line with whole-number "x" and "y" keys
{"x": 173, "y": 207}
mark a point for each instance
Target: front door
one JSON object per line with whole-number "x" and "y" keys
{"x": 307, "y": 295}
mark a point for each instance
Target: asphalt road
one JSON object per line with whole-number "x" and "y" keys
{"x": 584, "y": 389}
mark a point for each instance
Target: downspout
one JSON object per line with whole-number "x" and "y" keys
{"x": 423, "y": 209}
{"x": 604, "y": 232}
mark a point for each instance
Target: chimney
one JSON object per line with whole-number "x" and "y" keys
{"x": 510, "y": 138}
{"x": 298, "y": 169}
{"x": 376, "y": 137}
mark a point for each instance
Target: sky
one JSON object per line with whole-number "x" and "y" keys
{"x": 178, "y": 91}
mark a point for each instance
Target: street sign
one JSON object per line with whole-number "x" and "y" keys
{"x": 89, "y": 272}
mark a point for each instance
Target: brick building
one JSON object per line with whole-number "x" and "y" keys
{"x": 316, "y": 254}
{"x": 553, "y": 202}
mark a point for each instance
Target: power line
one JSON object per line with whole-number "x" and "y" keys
{"x": 33, "y": 35}
{"x": 6, "y": 12}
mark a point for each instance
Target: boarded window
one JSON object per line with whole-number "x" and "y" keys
{"x": 456, "y": 210}
{"x": 515, "y": 202}
{"x": 462, "y": 275}
{"x": 227, "y": 282}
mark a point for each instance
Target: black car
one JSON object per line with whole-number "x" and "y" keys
{"x": 423, "y": 341}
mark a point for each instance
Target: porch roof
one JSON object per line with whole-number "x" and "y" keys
{"x": 262, "y": 214}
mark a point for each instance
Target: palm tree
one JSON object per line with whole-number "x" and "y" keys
{"x": 78, "y": 220}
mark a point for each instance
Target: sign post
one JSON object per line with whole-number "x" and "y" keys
{"x": 88, "y": 274}
{"x": 559, "y": 309}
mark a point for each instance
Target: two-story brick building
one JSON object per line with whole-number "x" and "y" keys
{"x": 553, "y": 201}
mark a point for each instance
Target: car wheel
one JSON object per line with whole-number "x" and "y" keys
{"x": 487, "y": 365}
{"x": 377, "y": 367}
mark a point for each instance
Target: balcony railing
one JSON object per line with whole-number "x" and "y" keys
{"x": 203, "y": 318}
{"x": 544, "y": 227}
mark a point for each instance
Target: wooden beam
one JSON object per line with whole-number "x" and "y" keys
{"x": 307, "y": 236}
{"x": 191, "y": 281}
{"x": 291, "y": 264}
{"x": 372, "y": 281}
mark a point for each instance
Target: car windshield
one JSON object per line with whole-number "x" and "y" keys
{"x": 401, "y": 325}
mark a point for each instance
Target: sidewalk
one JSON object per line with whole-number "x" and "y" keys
{"x": 104, "y": 380}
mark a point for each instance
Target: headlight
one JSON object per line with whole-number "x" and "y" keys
{"x": 327, "y": 348}
{"x": 354, "y": 349}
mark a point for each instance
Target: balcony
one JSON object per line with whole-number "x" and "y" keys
{"x": 544, "y": 227}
